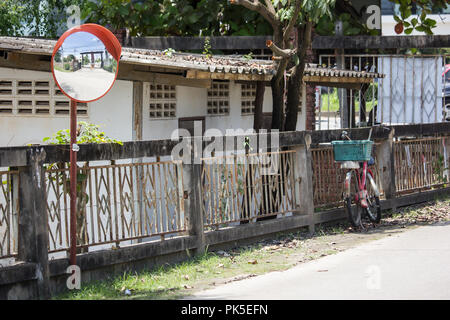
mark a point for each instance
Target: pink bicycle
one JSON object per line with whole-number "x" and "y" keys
{"x": 361, "y": 194}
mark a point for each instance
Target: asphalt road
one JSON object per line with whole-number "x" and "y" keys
{"x": 414, "y": 264}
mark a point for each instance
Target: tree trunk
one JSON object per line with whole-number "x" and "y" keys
{"x": 362, "y": 103}
{"x": 277, "y": 102}
{"x": 295, "y": 81}
{"x": 259, "y": 101}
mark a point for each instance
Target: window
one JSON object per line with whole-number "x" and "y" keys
{"x": 35, "y": 97}
{"x": 219, "y": 98}
{"x": 163, "y": 101}
{"x": 248, "y": 95}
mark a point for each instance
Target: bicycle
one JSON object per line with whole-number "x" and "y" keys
{"x": 361, "y": 198}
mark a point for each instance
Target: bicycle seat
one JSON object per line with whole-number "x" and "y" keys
{"x": 350, "y": 165}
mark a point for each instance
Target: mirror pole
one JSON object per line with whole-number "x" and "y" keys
{"x": 73, "y": 182}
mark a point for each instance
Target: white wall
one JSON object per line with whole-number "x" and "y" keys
{"x": 192, "y": 102}
{"x": 113, "y": 112}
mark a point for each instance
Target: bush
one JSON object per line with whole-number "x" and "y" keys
{"x": 66, "y": 66}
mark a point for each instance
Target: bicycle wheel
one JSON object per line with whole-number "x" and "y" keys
{"x": 373, "y": 211}
{"x": 353, "y": 208}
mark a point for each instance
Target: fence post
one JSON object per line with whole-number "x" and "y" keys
{"x": 192, "y": 200}
{"x": 386, "y": 166}
{"x": 303, "y": 178}
{"x": 33, "y": 221}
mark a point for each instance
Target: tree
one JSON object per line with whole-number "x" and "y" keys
{"x": 175, "y": 18}
{"x": 39, "y": 18}
{"x": 303, "y": 15}
{"x": 286, "y": 16}
{"x": 11, "y": 15}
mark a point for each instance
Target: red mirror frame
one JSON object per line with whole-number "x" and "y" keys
{"x": 110, "y": 41}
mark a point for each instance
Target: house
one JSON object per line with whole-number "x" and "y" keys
{"x": 155, "y": 93}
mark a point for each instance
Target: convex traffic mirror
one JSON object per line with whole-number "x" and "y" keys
{"x": 85, "y": 62}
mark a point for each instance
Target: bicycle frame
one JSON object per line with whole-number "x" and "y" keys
{"x": 361, "y": 181}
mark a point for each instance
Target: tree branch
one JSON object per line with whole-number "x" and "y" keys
{"x": 305, "y": 44}
{"x": 293, "y": 21}
{"x": 257, "y": 6}
{"x": 285, "y": 53}
{"x": 270, "y": 6}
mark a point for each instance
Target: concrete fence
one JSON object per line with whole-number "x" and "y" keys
{"x": 144, "y": 219}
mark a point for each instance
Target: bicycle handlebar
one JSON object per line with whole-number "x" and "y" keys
{"x": 345, "y": 134}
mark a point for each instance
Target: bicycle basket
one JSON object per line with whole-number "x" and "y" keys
{"x": 355, "y": 150}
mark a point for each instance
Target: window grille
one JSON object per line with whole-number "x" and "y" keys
{"x": 35, "y": 97}
{"x": 163, "y": 101}
{"x": 219, "y": 99}
{"x": 248, "y": 95}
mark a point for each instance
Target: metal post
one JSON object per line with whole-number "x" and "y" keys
{"x": 73, "y": 182}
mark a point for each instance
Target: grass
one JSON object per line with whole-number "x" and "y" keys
{"x": 61, "y": 69}
{"x": 168, "y": 281}
{"x": 330, "y": 102}
{"x": 174, "y": 281}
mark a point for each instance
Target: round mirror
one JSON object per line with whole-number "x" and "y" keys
{"x": 85, "y": 62}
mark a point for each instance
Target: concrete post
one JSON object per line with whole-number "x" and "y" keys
{"x": 137, "y": 134}
{"x": 33, "y": 221}
{"x": 304, "y": 183}
{"x": 386, "y": 167}
{"x": 192, "y": 201}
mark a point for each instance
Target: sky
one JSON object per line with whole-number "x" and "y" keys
{"x": 81, "y": 42}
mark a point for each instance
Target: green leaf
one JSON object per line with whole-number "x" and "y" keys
{"x": 296, "y": 59}
{"x": 409, "y": 30}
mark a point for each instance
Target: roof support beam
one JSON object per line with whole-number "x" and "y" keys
{"x": 127, "y": 73}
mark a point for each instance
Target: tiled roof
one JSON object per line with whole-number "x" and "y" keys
{"x": 186, "y": 61}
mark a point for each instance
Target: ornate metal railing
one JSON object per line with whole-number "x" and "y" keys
{"x": 420, "y": 164}
{"x": 116, "y": 202}
{"x": 241, "y": 188}
{"x": 8, "y": 213}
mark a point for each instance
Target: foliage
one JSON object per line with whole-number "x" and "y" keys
{"x": 406, "y": 22}
{"x": 46, "y": 18}
{"x": 169, "y": 52}
{"x": 207, "y": 48}
{"x": 11, "y": 14}
{"x": 420, "y": 23}
{"x": 248, "y": 56}
{"x": 39, "y": 18}
{"x": 175, "y": 18}
{"x": 87, "y": 133}
{"x": 439, "y": 169}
